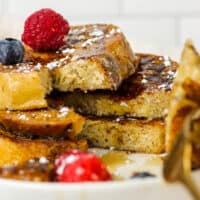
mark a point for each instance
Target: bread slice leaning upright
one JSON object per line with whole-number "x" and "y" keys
{"x": 185, "y": 98}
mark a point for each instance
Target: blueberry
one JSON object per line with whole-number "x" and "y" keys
{"x": 11, "y": 51}
{"x": 142, "y": 175}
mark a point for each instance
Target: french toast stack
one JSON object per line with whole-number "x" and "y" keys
{"x": 29, "y": 126}
{"x": 132, "y": 117}
{"x": 122, "y": 97}
{"x": 35, "y": 124}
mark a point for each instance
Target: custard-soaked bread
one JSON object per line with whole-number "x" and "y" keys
{"x": 125, "y": 134}
{"x": 24, "y": 86}
{"x": 17, "y": 149}
{"x": 95, "y": 56}
{"x": 145, "y": 94}
{"x": 185, "y": 93}
{"x": 58, "y": 123}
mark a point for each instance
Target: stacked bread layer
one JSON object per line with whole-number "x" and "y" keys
{"x": 95, "y": 56}
{"x": 131, "y": 118}
{"x": 122, "y": 96}
{"x": 184, "y": 115}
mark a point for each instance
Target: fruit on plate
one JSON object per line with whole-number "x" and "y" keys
{"x": 71, "y": 166}
{"x": 11, "y": 51}
{"x": 45, "y": 30}
{"x": 79, "y": 166}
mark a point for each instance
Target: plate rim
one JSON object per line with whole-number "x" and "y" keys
{"x": 79, "y": 186}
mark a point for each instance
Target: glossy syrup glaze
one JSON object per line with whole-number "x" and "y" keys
{"x": 154, "y": 73}
{"x": 39, "y": 115}
{"x": 82, "y": 42}
{"x": 52, "y": 124}
{"x": 25, "y": 67}
{"x": 79, "y": 40}
{"x": 38, "y": 170}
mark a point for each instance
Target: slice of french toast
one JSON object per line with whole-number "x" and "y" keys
{"x": 24, "y": 86}
{"x": 96, "y": 56}
{"x": 15, "y": 149}
{"x": 185, "y": 94}
{"x": 127, "y": 134}
{"x": 56, "y": 123}
{"x": 145, "y": 94}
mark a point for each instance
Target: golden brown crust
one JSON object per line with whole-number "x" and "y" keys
{"x": 61, "y": 122}
{"x": 125, "y": 134}
{"x": 96, "y": 56}
{"x": 37, "y": 170}
{"x": 23, "y": 90}
{"x": 17, "y": 150}
{"x": 139, "y": 96}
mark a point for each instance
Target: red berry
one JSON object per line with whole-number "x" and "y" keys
{"x": 77, "y": 166}
{"x": 45, "y": 30}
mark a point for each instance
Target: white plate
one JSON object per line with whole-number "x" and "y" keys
{"x": 131, "y": 189}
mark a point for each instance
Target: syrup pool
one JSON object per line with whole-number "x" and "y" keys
{"x": 123, "y": 164}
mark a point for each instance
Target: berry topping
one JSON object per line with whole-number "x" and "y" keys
{"x": 45, "y": 30}
{"x": 11, "y": 51}
{"x": 142, "y": 175}
{"x": 77, "y": 166}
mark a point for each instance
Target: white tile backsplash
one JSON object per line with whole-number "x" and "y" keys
{"x": 66, "y": 7}
{"x": 190, "y": 29}
{"x": 2, "y": 7}
{"x": 160, "y": 7}
{"x": 148, "y": 24}
{"x": 142, "y": 31}
{"x": 149, "y": 31}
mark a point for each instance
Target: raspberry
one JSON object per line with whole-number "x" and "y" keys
{"x": 45, "y": 30}
{"x": 77, "y": 166}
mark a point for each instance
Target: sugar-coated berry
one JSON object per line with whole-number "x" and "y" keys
{"x": 78, "y": 166}
{"x": 11, "y": 51}
{"x": 45, "y": 30}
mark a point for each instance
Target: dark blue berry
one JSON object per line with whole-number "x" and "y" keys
{"x": 142, "y": 175}
{"x": 11, "y": 51}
